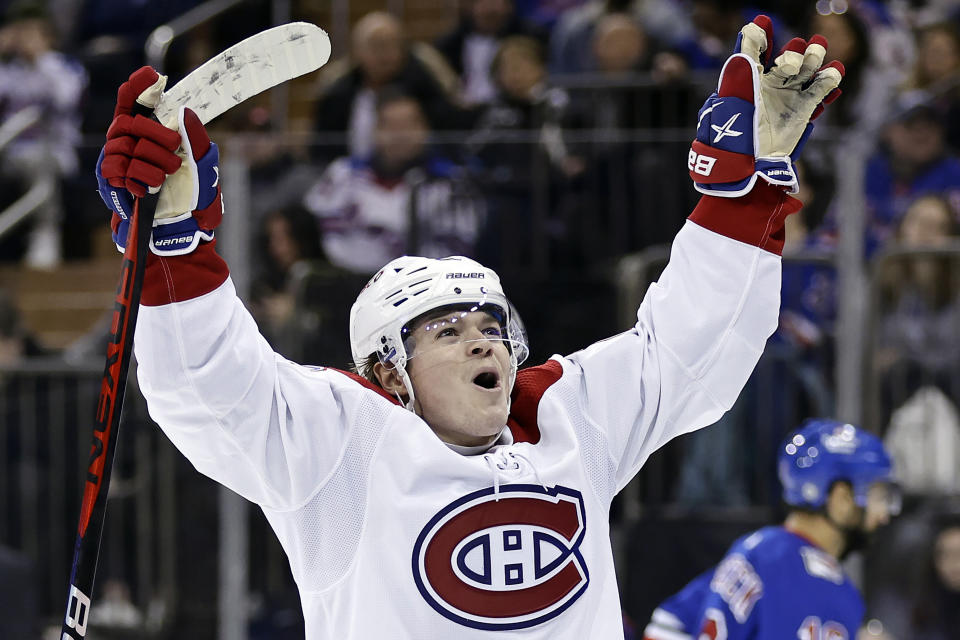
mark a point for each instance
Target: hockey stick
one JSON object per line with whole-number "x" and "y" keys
{"x": 238, "y": 73}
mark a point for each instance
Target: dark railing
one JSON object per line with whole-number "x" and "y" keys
{"x": 576, "y": 256}
{"x": 162, "y": 523}
{"x": 47, "y": 408}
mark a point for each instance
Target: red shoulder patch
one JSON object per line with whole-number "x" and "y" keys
{"x": 525, "y": 400}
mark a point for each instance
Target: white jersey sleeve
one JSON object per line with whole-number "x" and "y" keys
{"x": 230, "y": 404}
{"x": 376, "y": 513}
{"x": 700, "y": 331}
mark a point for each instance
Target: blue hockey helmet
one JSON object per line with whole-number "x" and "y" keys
{"x": 825, "y": 451}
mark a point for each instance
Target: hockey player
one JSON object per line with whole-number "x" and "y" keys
{"x": 443, "y": 493}
{"x": 786, "y": 581}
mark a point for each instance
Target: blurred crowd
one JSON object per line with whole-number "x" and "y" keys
{"x": 548, "y": 139}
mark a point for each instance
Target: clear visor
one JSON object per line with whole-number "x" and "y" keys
{"x": 458, "y": 327}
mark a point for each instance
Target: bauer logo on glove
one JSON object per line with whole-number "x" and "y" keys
{"x": 758, "y": 120}
{"x": 190, "y": 203}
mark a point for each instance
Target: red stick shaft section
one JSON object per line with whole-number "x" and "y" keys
{"x": 107, "y": 421}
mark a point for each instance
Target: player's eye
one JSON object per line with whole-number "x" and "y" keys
{"x": 447, "y": 332}
{"x": 493, "y": 332}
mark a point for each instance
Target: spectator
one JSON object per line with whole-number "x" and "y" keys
{"x": 571, "y": 38}
{"x": 513, "y": 166}
{"x": 278, "y": 172}
{"x": 25, "y": 470}
{"x": 524, "y": 102}
{"x": 290, "y": 246}
{"x": 804, "y": 339}
{"x": 917, "y": 339}
{"x": 296, "y": 289}
{"x": 570, "y": 42}
{"x": 381, "y": 57}
{"x": 914, "y": 161}
{"x": 938, "y": 56}
{"x": 716, "y": 24}
{"x": 619, "y": 45}
{"x": 622, "y": 47}
{"x": 625, "y": 178}
{"x": 922, "y": 294}
{"x": 924, "y": 434}
{"x": 365, "y": 204}
{"x": 473, "y": 43}
{"x": 936, "y": 74}
{"x": 899, "y": 567}
{"x": 37, "y": 83}
{"x": 867, "y": 87}
{"x": 936, "y": 612}
{"x": 916, "y": 356}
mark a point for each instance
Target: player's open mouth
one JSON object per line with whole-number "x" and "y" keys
{"x": 487, "y": 380}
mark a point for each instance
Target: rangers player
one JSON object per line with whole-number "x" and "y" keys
{"x": 786, "y": 581}
{"x": 443, "y": 492}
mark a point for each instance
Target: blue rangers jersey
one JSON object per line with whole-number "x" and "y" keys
{"x": 772, "y": 583}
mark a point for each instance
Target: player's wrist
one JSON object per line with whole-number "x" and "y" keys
{"x": 755, "y": 218}
{"x": 779, "y": 172}
{"x": 168, "y": 281}
{"x": 178, "y": 236}
{"x": 189, "y": 206}
{"x": 733, "y": 175}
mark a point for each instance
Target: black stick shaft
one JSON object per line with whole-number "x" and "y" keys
{"x": 107, "y": 421}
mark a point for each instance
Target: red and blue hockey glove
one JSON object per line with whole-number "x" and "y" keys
{"x": 139, "y": 155}
{"x": 758, "y": 120}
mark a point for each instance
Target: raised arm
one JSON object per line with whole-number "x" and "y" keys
{"x": 702, "y": 327}
{"x": 242, "y": 414}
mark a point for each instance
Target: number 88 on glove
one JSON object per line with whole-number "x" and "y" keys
{"x": 758, "y": 120}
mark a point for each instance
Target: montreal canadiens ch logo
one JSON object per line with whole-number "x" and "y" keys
{"x": 505, "y": 561}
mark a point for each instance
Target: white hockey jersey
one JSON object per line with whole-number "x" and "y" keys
{"x": 390, "y": 533}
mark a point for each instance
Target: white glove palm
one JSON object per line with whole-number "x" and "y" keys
{"x": 190, "y": 205}
{"x": 790, "y": 91}
{"x": 757, "y": 121}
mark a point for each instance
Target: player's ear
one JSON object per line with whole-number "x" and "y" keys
{"x": 389, "y": 378}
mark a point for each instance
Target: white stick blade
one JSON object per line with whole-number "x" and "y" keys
{"x": 256, "y": 64}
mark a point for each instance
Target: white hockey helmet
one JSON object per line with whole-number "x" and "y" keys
{"x": 410, "y": 286}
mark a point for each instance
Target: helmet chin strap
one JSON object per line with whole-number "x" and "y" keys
{"x": 409, "y": 404}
